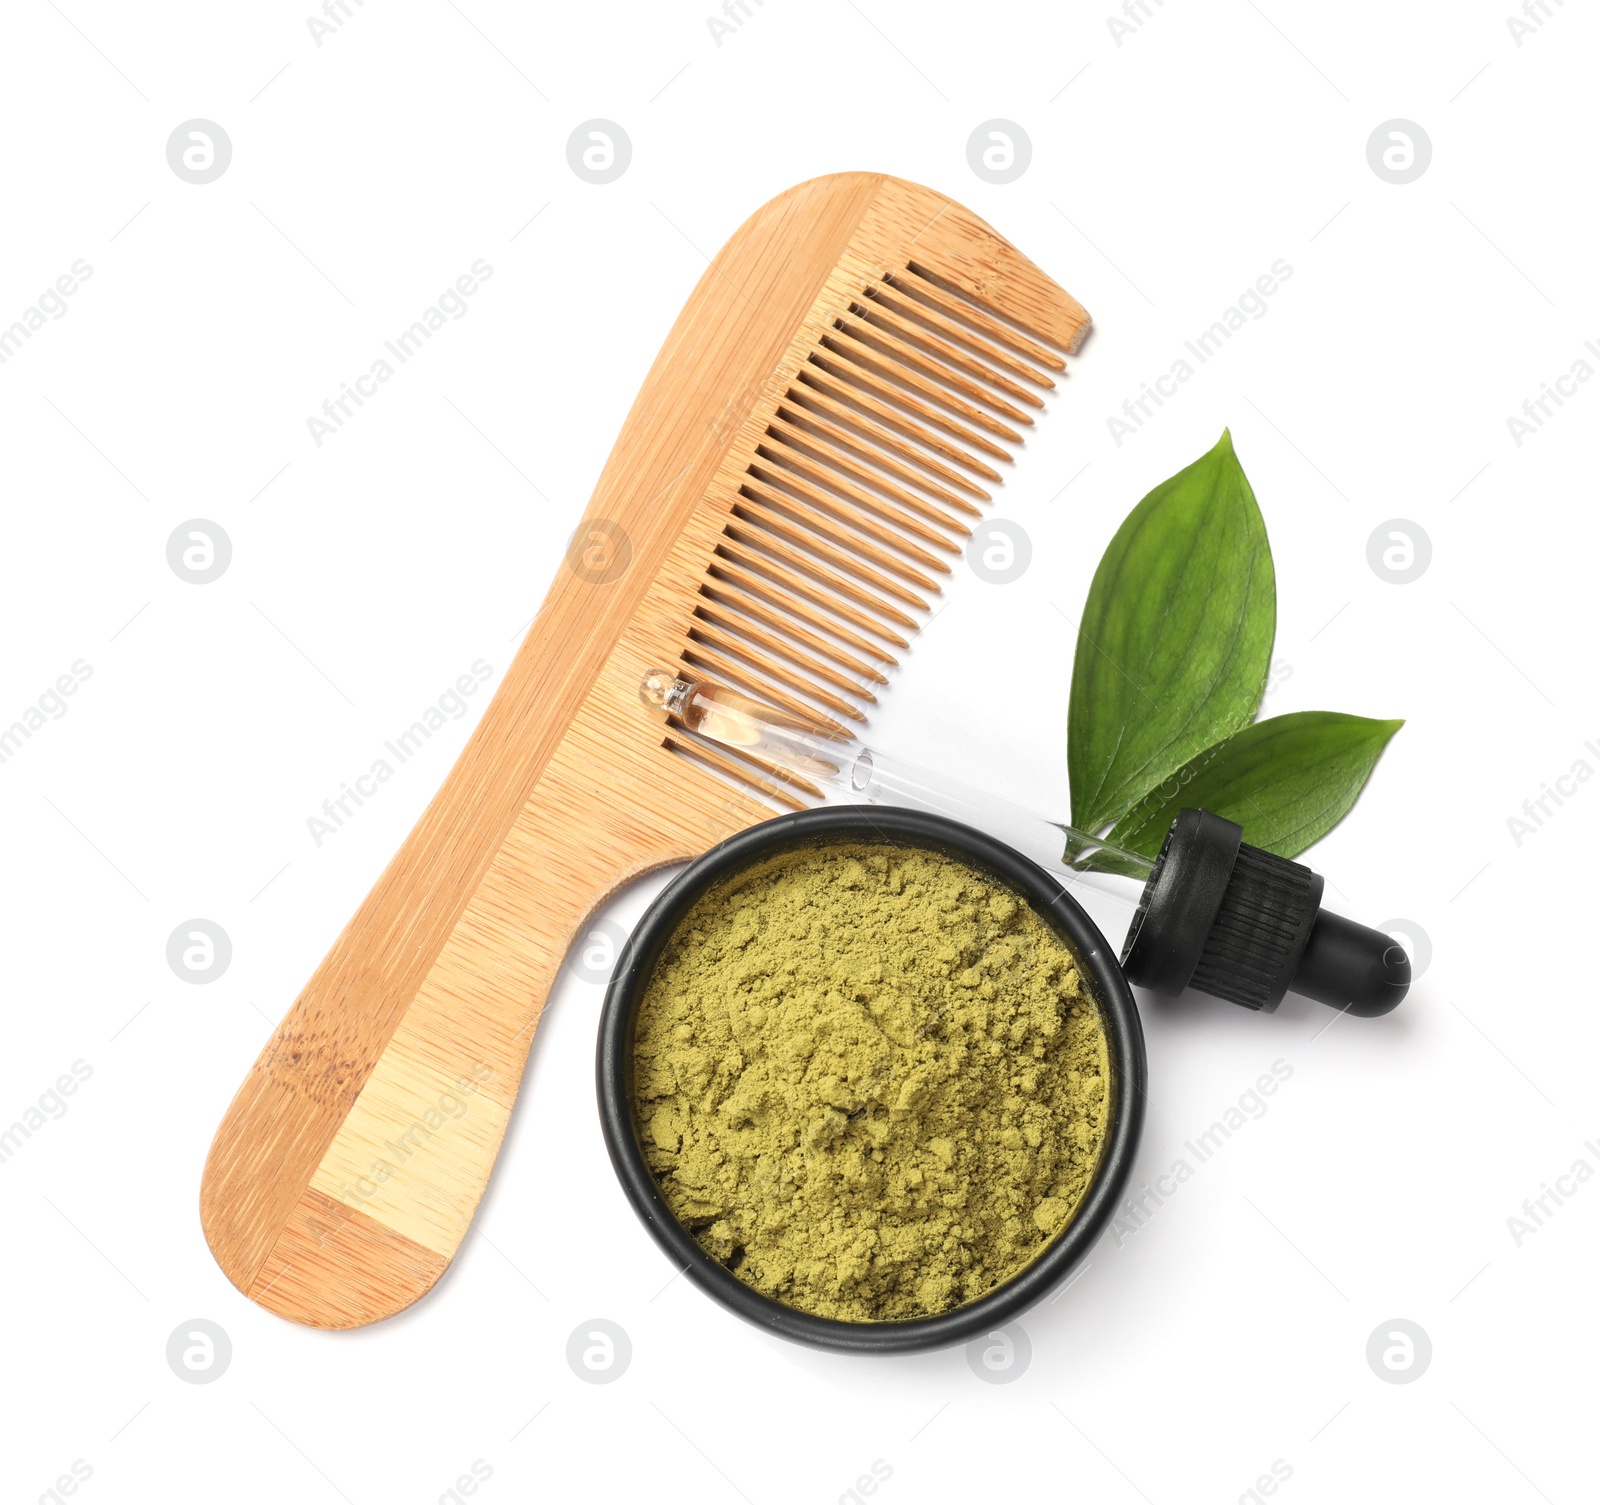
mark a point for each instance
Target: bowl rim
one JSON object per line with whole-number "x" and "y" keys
{"x": 891, "y": 827}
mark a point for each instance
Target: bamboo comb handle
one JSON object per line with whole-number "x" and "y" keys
{"x": 352, "y": 1159}
{"x": 347, "y": 1170}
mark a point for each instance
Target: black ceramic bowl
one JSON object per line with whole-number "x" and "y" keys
{"x": 898, "y": 828}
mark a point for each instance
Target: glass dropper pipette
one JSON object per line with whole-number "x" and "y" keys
{"x": 1214, "y": 914}
{"x": 864, "y": 775}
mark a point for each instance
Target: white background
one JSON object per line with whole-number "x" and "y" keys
{"x": 1168, "y": 172}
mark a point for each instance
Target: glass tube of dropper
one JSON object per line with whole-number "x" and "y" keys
{"x": 864, "y": 775}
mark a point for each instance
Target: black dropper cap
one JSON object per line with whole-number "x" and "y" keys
{"x": 1242, "y": 924}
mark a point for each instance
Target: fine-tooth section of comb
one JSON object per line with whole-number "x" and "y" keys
{"x": 891, "y": 405}
{"x": 793, "y": 595}
{"x": 890, "y": 344}
{"x": 880, "y": 568}
{"x": 795, "y": 642}
{"x": 845, "y": 519}
{"x": 833, "y": 642}
{"x": 907, "y": 337}
{"x": 824, "y": 580}
{"x": 799, "y": 595}
{"x": 871, "y": 432}
{"x": 814, "y": 438}
{"x": 952, "y": 415}
{"x": 859, "y": 363}
{"x": 897, "y": 506}
{"x": 945, "y": 337}
{"x": 901, "y": 392}
{"x": 824, "y": 424}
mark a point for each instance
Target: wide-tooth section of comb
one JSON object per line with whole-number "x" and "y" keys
{"x": 857, "y": 474}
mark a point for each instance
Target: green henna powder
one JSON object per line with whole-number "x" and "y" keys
{"x": 870, "y": 1081}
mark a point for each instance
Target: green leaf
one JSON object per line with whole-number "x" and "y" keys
{"x": 1288, "y": 781}
{"x": 1175, "y": 639}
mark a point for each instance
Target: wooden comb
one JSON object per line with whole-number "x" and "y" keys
{"x": 805, "y": 456}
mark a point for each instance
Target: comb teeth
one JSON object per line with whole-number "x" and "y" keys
{"x": 892, "y": 426}
{"x": 853, "y": 482}
{"x": 955, "y": 311}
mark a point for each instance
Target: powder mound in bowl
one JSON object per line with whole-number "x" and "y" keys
{"x": 870, "y": 1080}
